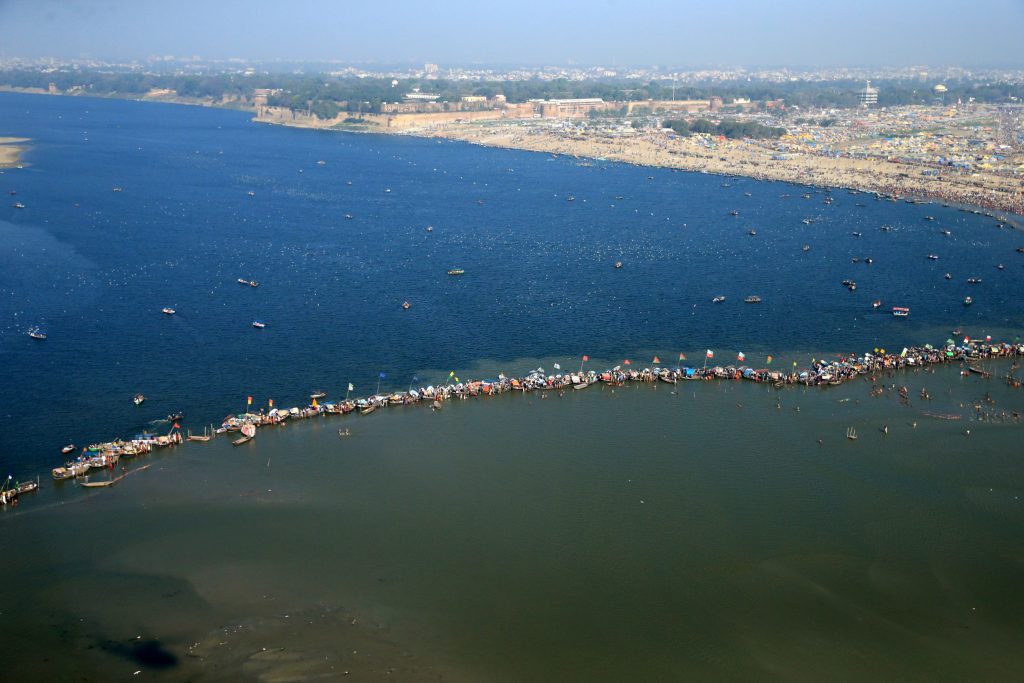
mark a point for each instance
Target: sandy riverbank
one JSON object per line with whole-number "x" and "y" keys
{"x": 11, "y": 150}
{"x": 748, "y": 158}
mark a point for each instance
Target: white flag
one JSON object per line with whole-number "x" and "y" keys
{"x": 557, "y": 366}
{"x": 350, "y": 387}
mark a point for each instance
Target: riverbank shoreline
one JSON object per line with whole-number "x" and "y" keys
{"x": 662, "y": 149}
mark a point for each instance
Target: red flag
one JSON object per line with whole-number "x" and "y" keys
{"x": 176, "y": 426}
{"x": 656, "y": 360}
{"x": 586, "y": 358}
{"x": 271, "y": 402}
{"x": 682, "y": 356}
{"x": 740, "y": 357}
{"x": 625, "y": 362}
{"x": 711, "y": 354}
{"x": 249, "y": 403}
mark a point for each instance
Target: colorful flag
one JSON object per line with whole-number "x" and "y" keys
{"x": 176, "y": 426}
{"x": 625, "y": 362}
{"x": 314, "y": 403}
{"x": 682, "y": 356}
{"x": 451, "y": 374}
{"x": 271, "y": 402}
{"x": 740, "y": 357}
{"x": 988, "y": 337}
{"x": 350, "y": 387}
{"x": 769, "y": 360}
{"x": 249, "y": 401}
{"x": 456, "y": 379}
{"x": 586, "y": 358}
{"x": 710, "y": 354}
{"x": 967, "y": 340}
{"x": 656, "y": 360}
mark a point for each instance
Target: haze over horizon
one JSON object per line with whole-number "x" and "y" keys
{"x": 647, "y": 32}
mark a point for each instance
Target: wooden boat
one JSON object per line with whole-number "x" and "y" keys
{"x": 253, "y": 283}
{"x": 456, "y": 271}
{"x": 900, "y": 311}
{"x": 26, "y": 487}
{"x": 138, "y": 399}
{"x": 194, "y": 437}
{"x": 67, "y": 449}
{"x": 753, "y": 300}
{"x": 37, "y": 333}
{"x": 581, "y": 385}
{"x": 406, "y": 305}
{"x": 851, "y": 434}
{"x": 318, "y": 394}
{"x": 968, "y": 301}
{"x": 248, "y": 433}
{"x": 368, "y": 409}
{"x": 70, "y": 471}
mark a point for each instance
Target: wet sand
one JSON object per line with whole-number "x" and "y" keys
{"x": 11, "y": 150}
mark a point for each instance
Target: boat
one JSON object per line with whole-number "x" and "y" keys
{"x": 877, "y": 303}
{"x": 456, "y": 271}
{"x": 174, "y": 417}
{"x": 36, "y": 333}
{"x": 734, "y": 212}
{"x": 856, "y": 234}
{"x": 253, "y": 283}
{"x": 67, "y": 449}
{"x": 807, "y": 247}
{"x": 70, "y": 470}
{"x": 368, "y": 409}
{"x": 168, "y": 310}
{"x": 900, "y": 311}
{"x": 933, "y": 257}
{"x": 581, "y": 385}
{"x": 948, "y": 276}
{"x": 117, "y": 189}
{"x": 137, "y": 399}
{"x": 406, "y": 305}
{"x": 968, "y": 301}
{"x": 349, "y": 216}
{"x": 248, "y": 433}
{"x": 430, "y": 228}
{"x": 251, "y": 193}
{"x": 851, "y": 434}
{"x": 718, "y": 299}
{"x": 18, "y": 205}
{"x": 618, "y": 264}
{"x": 258, "y": 324}
{"x": 1000, "y": 267}
{"x": 753, "y": 299}
{"x": 974, "y": 280}
{"x": 26, "y": 487}
{"x": 947, "y": 233}
{"x": 242, "y": 281}
{"x": 929, "y": 218}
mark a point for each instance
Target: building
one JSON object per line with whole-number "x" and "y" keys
{"x": 417, "y": 96}
{"x": 715, "y": 103}
{"x": 570, "y": 108}
{"x": 868, "y": 96}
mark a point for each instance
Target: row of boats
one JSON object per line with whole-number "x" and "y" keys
{"x": 244, "y": 426}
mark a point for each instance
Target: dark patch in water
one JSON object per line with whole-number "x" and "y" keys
{"x": 148, "y": 653}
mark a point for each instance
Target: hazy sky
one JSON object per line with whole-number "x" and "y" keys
{"x": 638, "y": 32}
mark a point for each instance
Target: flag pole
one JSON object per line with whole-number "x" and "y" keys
{"x": 378, "y": 383}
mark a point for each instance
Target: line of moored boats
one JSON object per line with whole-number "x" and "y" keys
{"x": 104, "y": 456}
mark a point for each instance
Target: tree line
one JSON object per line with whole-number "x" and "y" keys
{"x": 730, "y": 128}
{"x": 327, "y": 95}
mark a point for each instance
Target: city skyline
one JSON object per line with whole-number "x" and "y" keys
{"x": 790, "y": 33}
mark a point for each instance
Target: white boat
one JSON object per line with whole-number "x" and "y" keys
{"x": 900, "y": 311}
{"x": 258, "y": 324}
{"x": 168, "y": 310}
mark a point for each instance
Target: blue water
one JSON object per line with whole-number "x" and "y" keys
{"x": 94, "y": 267}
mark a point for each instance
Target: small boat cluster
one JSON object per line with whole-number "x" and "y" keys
{"x": 821, "y": 373}
{"x": 106, "y": 455}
